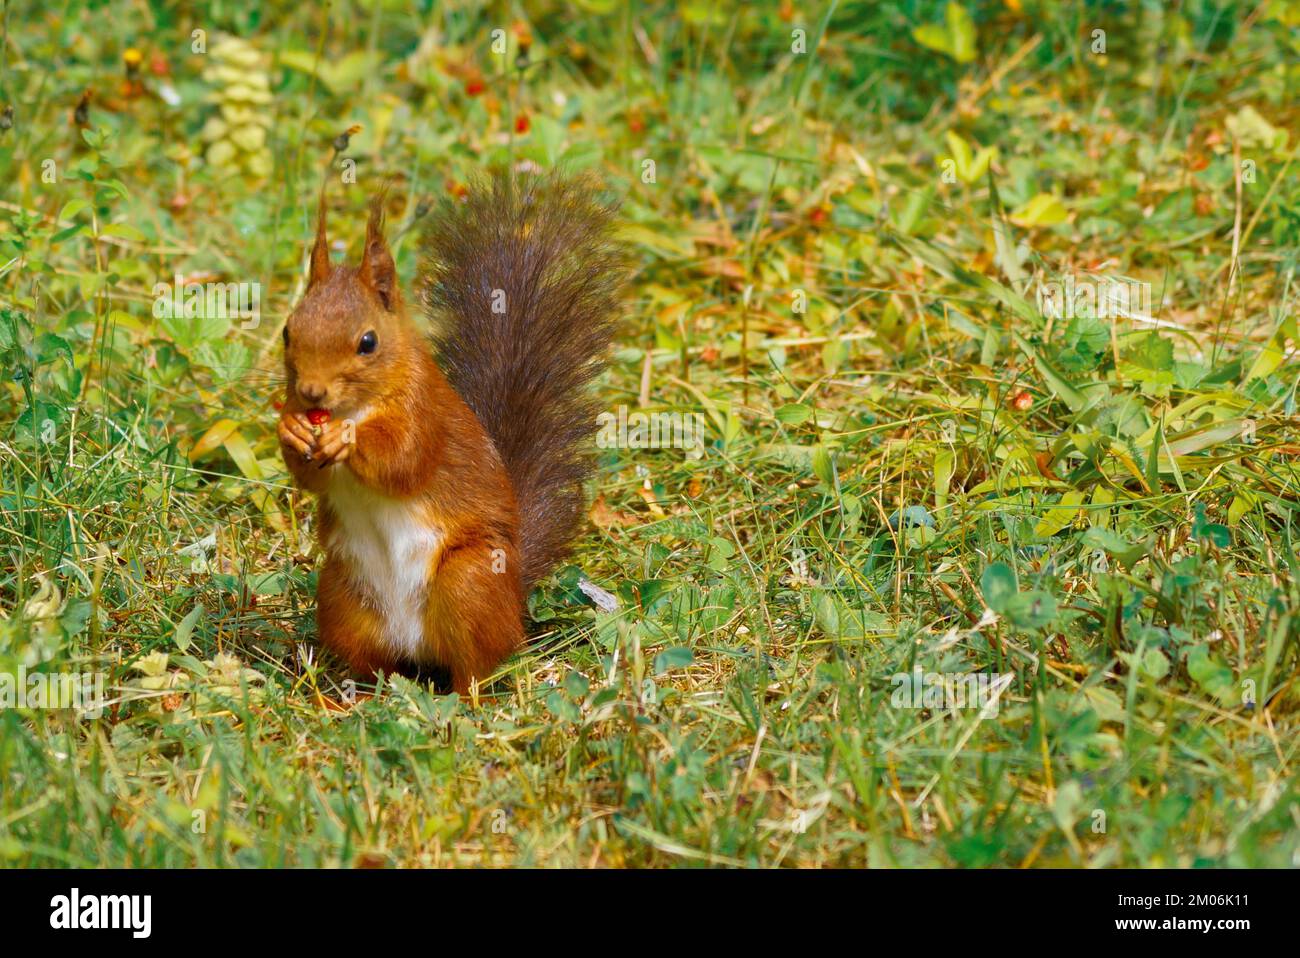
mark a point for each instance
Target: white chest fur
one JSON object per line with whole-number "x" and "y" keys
{"x": 389, "y": 549}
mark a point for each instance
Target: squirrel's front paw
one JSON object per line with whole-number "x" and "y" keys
{"x": 296, "y": 433}
{"x": 336, "y": 442}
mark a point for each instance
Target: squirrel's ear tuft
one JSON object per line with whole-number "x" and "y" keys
{"x": 377, "y": 272}
{"x": 320, "y": 251}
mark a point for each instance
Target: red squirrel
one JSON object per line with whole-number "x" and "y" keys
{"x": 450, "y": 472}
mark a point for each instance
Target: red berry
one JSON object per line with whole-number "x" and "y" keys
{"x": 521, "y": 123}
{"x": 318, "y": 416}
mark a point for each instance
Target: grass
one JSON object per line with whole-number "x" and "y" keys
{"x": 911, "y": 466}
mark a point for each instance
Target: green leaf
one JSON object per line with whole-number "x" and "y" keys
{"x": 955, "y": 37}
{"x": 49, "y": 347}
{"x": 1068, "y": 805}
{"x": 823, "y": 466}
{"x": 72, "y": 208}
{"x": 1209, "y": 673}
{"x": 962, "y": 30}
{"x": 114, "y": 186}
{"x": 1152, "y": 352}
{"x": 1083, "y": 344}
{"x": 1124, "y": 551}
{"x": 341, "y": 75}
{"x": 1064, "y": 390}
{"x": 1031, "y": 610}
{"x": 945, "y": 465}
{"x": 1155, "y": 664}
{"x": 794, "y": 413}
{"x": 1242, "y": 503}
{"x": 1150, "y": 362}
{"x": 838, "y": 620}
{"x": 1057, "y": 519}
{"x": 75, "y": 617}
{"x": 1205, "y": 531}
{"x": 970, "y": 168}
{"x": 998, "y": 583}
{"x": 1043, "y": 209}
{"x": 576, "y": 684}
{"x": 1272, "y": 355}
{"x": 1152, "y": 471}
{"x": 186, "y": 628}
{"x": 677, "y": 657}
{"x": 1252, "y": 130}
{"x": 125, "y": 231}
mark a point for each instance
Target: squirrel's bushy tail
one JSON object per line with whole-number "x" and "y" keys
{"x": 524, "y": 286}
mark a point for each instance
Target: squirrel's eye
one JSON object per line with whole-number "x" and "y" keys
{"x": 368, "y": 343}
{"x": 286, "y": 334}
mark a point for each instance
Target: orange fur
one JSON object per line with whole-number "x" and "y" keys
{"x": 442, "y": 501}
{"x": 415, "y": 444}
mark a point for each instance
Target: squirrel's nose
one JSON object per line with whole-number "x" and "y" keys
{"x": 311, "y": 392}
